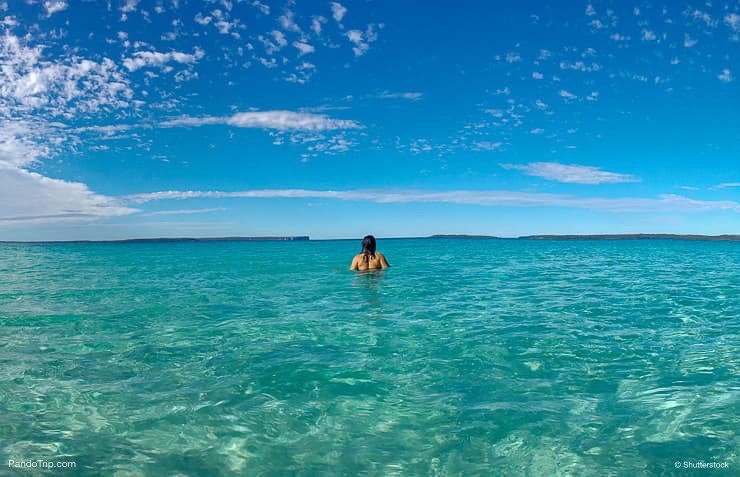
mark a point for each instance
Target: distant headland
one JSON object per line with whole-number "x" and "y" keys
{"x": 297, "y": 238}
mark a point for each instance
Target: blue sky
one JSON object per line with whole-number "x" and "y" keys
{"x": 172, "y": 118}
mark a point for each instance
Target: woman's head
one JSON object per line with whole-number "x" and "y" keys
{"x": 368, "y": 245}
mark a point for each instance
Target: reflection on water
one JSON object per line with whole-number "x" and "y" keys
{"x": 368, "y": 278}
{"x": 368, "y": 283}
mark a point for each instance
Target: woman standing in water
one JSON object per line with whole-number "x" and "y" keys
{"x": 369, "y": 259}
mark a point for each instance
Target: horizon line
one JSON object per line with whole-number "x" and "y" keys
{"x": 306, "y": 238}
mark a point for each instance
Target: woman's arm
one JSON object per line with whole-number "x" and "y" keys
{"x": 383, "y": 261}
{"x": 354, "y": 265}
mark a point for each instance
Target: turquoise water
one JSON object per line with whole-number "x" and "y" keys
{"x": 466, "y": 357}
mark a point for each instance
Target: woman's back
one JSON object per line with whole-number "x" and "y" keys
{"x": 369, "y": 259}
{"x": 372, "y": 262}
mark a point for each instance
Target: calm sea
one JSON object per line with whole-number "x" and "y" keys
{"x": 466, "y": 357}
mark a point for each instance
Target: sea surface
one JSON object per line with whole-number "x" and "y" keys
{"x": 466, "y": 357}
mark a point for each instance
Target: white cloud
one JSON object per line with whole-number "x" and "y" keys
{"x": 597, "y": 24}
{"x": 580, "y": 66}
{"x": 361, "y": 40}
{"x": 590, "y": 10}
{"x": 537, "y": 131}
{"x": 338, "y": 11}
{"x": 143, "y": 59}
{"x": 280, "y": 120}
{"x": 705, "y": 17}
{"x": 202, "y": 20}
{"x": 688, "y": 42}
{"x": 182, "y": 212}
{"x": 567, "y": 95}
{"x": 488, "y": 145}
{"x": 288, "y": 23}
{"x": 30, "y": 197}
{"x": 733, "y": 21}
{"x": 648, "y": 35}
{"x": 129, "y": 6}
{"x": 30, "y": 83}
{"x": 265, "y": 9}
{"x": 513, "y": 58}
{"x": 21, "y": 142}
{"x": 725, "y": 76}
{"x": 570, "y": 173}
{"x": 303, "y": 48}
{"x": 279, "y": 38}
{"x": 35, "y": 95}
{"x": 316, "y": 23}
{"x": 408, "y": 95}
{"x": 727, "y": 184}
{"x": 53, "y": 7}
{"x": 537, "y": 75}
{"x": 664, "y": 203}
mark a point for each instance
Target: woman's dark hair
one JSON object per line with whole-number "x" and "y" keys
{"x": 368, "y": 247}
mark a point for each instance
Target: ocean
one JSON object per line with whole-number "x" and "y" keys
{"x": 466, "y": 357}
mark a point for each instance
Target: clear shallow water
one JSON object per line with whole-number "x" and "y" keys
{"x": 465, "y": 357}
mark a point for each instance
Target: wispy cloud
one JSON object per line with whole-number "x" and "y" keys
{"x": 488, "y": 145}
{"x": 513, "y": 57}
{"x": 280, "y": 120}
{"x": 406, "y": 95}
{"x": 567, "y": 95}
{"x": 663, "y": 203}
{"x": 725, "y": 185}
{"x": 570, "y": 173}
{"x": 182, "y": 212}
{"x": 688, "y": 42}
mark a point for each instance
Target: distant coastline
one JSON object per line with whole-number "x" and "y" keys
{"x": 732, "y": 238}
{"x": 715, "y": 238}
{"x": 297, "y": 238}
{"x": 458, "y": 236}
{"x": 304, "y": 238}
